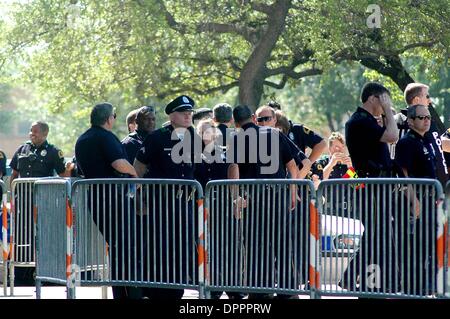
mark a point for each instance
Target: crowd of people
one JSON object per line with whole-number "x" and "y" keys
{"x": 380, "y": 142}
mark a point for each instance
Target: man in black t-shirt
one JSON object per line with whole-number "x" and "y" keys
{"x": 368, "y": 148}
{"x": 100, "y": 154}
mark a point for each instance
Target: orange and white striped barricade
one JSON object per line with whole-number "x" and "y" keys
{"x": 382, "y": 240}
{"x": 53, "y": 233}
{"x": 137, "y": 232}
{"x": 257, "y": 236}
{"x": 5, "y": 230}
{"x": 22, "y": 247}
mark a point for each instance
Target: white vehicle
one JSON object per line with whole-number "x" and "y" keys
{"x": 340, "y": 241}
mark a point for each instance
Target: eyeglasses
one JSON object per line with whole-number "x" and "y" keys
{"x": 264, "y": 119}
{"x": 423, "y": 117}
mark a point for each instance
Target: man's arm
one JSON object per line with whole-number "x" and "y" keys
{"x": 140, "y": 168}
{"x": 317, "y": 151}
{"x": 390, "y": 135}
{"x": 292, "y": 169}
{"x": 305, "y": 169}
{"x": 124, "y": 167}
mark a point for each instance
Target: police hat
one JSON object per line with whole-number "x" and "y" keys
{"x": 180, "y": 104}
{"x": 201, "y": 112}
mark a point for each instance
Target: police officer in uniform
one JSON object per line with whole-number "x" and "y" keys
{"x": 155, "y": 160}
{"x": 145, "y": 124}
{"x": 415, "y": 156}
{"x": 367, "y": 143}
{"x": 333, "y": 166}
{"x": 100, "y": 154}
{"x": 35, "y": 158}
{"x": 247, "y": 142}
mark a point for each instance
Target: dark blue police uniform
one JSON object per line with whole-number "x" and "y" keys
{"x": 442, "y": 173}
{"x": 133, "y": 143}
{"x": 371, "y": 158}
{"x": 41, "y": 161}
{"x": 416, "y": 154}
{"x": 31, "y": 161}
{"x": 156, "y": 153}
{"x": 303, "y": 137}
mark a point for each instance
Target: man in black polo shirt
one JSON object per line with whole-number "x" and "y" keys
{"x": 99, "y": 154}
{"x": 250, "y": 162}
{"x": 415, "y": 156}
{"x": 161, "y": 157}
{"x": 368, "y": 148}
{"x": 145, "y": 124}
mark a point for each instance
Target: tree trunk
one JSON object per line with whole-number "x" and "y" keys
{"x": 330, "y": 122}
{"x": 253, "y": 74}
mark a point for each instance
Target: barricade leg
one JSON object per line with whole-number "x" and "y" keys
{"x": 11, "y": 278}
{"x": 38, "y": 289}
{"x": 5, "y": 278}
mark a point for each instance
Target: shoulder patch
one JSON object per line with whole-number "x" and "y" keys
{"x": 60, "y": 154}
{"x": 306, "y": 130}
{"x": 1, "y": 155}
{"x": 319, "y": 167}
{"x": 448, "y": 131}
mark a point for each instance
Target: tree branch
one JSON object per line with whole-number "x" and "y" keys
{"x": 224, "y": 88}
{"x": 261, "y": 7}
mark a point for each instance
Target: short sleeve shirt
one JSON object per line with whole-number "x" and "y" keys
{"x": 303, "y": 137}
{"x": 260, "y": 152}
{"x": 95, "y": 151}
{"x": 133, "y": 143}
{"x": 38, "y": 161}
{"x": 369, "y": 155}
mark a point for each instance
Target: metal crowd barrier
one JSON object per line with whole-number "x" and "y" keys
{"x": 257, "y": 239}
{"x": 381, "y": 238}
{"x": 447, "y": 242}
{"x": 5, "y": 229}
{"x": 22, "y": 225}
{"x": 53, "y": 217}
{"x": 137, "y": 232}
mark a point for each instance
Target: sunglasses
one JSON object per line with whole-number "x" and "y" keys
{"x": 427, "y": 96}
{"x": 114, "y": 115}
{"x": 264, "y": 119}
{"x": 423, "y": 117}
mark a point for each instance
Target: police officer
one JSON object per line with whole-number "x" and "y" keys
{"x": 416, "y": 157}
{"x": 100, "y": 154}
{"x": 368, "y": 148}
{"x": 37, "y": 158}
{"x": 158, "y": 159}
{"x": 280, "y": 160}
{"x": 333, "y": 166}
{"x": 145, "y": 124}
{"x": 303, "y": 137}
